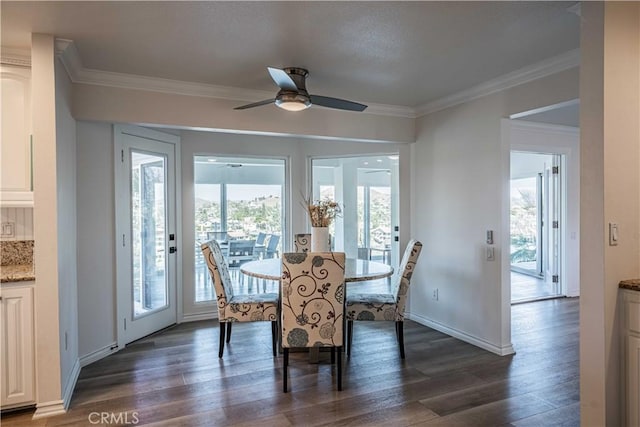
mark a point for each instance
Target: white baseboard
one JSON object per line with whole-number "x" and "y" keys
{"x": 71, "y": 384}
{"x": 463, "y": 336}
{"x": 98, "y": 354}
{"x": 199, "y": 316}
{"x": 49, "y": 409}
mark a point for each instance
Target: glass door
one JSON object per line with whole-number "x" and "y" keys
{"x": 535, "y": 226}
{"x": 146, "y": 235}
{"x": 367, "y": 190}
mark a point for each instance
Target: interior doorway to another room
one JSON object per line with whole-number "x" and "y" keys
{"x": 535, "y": 237}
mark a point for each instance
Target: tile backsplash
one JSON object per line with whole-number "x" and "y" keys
{"x": 16, "y": 252}
{"x": 17, "y": 224}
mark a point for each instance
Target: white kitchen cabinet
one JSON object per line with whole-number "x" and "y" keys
{"x": 16, "y": 188}
{"x": 17, "y": 341}
{"x": 631, "y": 355}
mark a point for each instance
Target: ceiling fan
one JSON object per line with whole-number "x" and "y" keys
{"x": 293, "y": 95}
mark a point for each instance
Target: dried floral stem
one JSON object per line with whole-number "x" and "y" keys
{"x": 322, "y": 212}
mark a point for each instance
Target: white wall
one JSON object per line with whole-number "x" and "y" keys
{"x": 96, "y": 238}
{"x": 461, "y": 174}
{"x": 145, "y": 107}
{"x": 66, "y": 226}
{"x": 610, "y": 192}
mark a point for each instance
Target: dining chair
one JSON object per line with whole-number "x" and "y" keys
{"x": 389, "y": 307}
{"x": 237, "y": 308}
{"x": 312, "y": 304}
{"x": 302, "y": 242}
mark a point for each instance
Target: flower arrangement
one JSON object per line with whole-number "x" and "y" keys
{"x": 322, "y": 212}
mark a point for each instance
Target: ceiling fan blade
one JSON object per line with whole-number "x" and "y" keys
{"x": 282, "y": 79}
{"x": 255, "y": 104}
{"x": 340, "y": 104}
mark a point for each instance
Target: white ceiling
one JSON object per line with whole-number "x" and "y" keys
{"x": 396, "y": 53}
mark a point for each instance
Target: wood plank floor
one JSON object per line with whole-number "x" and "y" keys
{"x": 174, "y": 378}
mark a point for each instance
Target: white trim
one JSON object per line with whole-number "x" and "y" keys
{"x": 463, "y": 336}
{"x": 98, "y": 354}
{"x": 544, "y": 109}
{"x": 49, "y": 409}
{"x": 195, "y": 317}
{"x": 523, "y": 75}
{"x": 71, "y": 384}
{"x": 15, "y": 57}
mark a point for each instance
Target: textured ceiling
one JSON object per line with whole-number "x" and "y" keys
{"x": 399, "y": 53}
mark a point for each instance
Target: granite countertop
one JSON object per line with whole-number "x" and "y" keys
{"x": 633, "y": 284}
{"x": 17, "y": 273}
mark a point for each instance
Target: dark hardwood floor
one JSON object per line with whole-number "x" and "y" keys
{"x": 174, "y": 378}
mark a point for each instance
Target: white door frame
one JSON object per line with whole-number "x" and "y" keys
{"x": 525, "y": 136}
{"x": 121, "y": 198}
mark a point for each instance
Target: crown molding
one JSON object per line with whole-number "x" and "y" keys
{"x": 16, "y": 57}
{"x": 523, "y": 75}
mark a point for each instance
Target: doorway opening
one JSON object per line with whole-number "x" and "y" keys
{"x": 535, "y": 212}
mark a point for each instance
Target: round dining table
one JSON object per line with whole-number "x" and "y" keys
{"x": 355, "y": 270}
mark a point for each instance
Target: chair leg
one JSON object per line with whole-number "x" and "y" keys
{"x": 274, "y": 337}
{"x": 229, "y": 332}
{"x": 285, "y": 364}
{"x": 221, "y": 345}
{"x": 339, "y": 362}
{"x": 333, "y": 355}
{"x": 349, "y": 336}
{"x": 400, "y": 329}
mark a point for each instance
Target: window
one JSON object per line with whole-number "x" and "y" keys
{"x": 235, "y": 198}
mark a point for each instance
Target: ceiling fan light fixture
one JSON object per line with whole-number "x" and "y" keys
{"x": 293, "y": 101}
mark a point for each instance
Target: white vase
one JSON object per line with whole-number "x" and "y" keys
{"x": 320, "y": 239}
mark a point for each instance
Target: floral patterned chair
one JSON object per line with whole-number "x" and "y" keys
{"x": 237, "y": 308}
{"x": 312, "y": 313}
{"x": 302, "y": 242}
{"x": 388, "y": 307}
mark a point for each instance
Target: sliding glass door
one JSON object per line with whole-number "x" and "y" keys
{"x": 236, "y": 199}
{"x": 367, "y": 190}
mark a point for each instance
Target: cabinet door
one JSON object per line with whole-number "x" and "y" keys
{"x": 633, "y": 380}
{"x": 16, "y": 315}
{"x": 15, "y": 144}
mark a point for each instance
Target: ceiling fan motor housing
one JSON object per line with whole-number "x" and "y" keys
{"x": 298, "y": 75}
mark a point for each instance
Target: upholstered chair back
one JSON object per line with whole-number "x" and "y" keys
{"x": 401, "y": 285}
{"x": 312, "y": 298}
{"x": 219, "y": 271}
{"x": 302, "y": 242}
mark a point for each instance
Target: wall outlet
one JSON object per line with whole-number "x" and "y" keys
{"x": 8, "y": 229}
{"x": 435, "y": 294}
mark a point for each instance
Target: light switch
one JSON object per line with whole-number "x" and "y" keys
{"x": 491, "y": 256}
{"x": 613, "y": 234}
